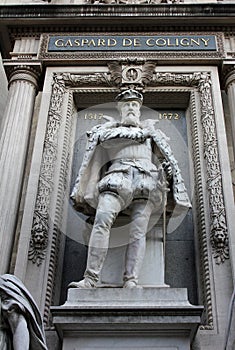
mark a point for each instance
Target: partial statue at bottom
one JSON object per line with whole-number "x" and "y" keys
{"x": 21, "y": 326}
{"x": 128, "y": 167}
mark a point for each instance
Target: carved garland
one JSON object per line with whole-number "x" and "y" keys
{"x": 207, "y": 322}
{"x": 218, "y": 232}
{"x": 39, "y": 232}
{"x": 56, "y": 233}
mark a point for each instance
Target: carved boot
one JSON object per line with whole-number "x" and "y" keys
{"x": 85, "y": 283}
{"x": 130, "y": 284}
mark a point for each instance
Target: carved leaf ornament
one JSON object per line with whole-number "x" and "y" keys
{"x": 39, "y": 233}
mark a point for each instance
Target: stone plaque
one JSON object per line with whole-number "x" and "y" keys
{"x": 157, "y": 45}
{"x": 59, "y": 43}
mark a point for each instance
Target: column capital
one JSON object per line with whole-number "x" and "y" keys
{"x": 228, "y": 74}
{"x": 29, "y": 72}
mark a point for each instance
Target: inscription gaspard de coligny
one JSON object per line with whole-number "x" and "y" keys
{"x": 132, "y": 43}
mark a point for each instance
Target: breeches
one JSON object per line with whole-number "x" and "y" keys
{"x": 132, "y": 185}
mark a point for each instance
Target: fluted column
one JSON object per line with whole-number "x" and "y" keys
{"x": 14, "y": 145}
{"x": 230, "y": 88}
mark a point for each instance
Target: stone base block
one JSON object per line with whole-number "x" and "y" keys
{"x": 116, "y": 318}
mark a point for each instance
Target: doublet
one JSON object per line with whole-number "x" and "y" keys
{"x": 132, "y": 174}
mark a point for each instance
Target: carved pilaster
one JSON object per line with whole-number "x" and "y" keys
{"x": 218, "y": 224}
{"x": 39, "y": 233}
{"x": 13, "y": 144}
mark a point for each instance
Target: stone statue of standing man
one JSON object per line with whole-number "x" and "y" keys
{"x": 127, "y": 167}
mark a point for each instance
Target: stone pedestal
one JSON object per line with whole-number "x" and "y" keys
{"x": 116, "y": 318}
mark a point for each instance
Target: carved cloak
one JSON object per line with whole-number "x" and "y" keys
{"x": 17, "y": 296}
{"x": 85, "y": 193}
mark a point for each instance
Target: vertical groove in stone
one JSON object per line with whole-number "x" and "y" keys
{"x": 10, "y": 110}
{"x": 231, "y": 102}
{"x": 26, "y": 45}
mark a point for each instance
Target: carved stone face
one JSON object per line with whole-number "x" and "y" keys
{"x": 220, "y": 238}
{"x": 39, "y": 238}
{"x": 130, "y": 112}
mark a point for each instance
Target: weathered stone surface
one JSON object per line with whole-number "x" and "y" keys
{"x": 155, "y": 318}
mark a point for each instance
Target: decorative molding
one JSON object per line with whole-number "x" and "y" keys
{"x": 39, "y": 233}
{"x": 56, "y": 233}
{"x": 96, "y": 90}
{"x": 103, "y": 83}
{"x": 26, "y": 76}
{"x": 216, "y": 12}
{"x": 207, "y": 320}
{"x": 131, "y": 74}
{"x": 93, "y": 79}
{"x": 23, "y": 72}
{"x": 131, "y": 56}
{"x": 218, "y": 226}
{"x": 16, "y": 33}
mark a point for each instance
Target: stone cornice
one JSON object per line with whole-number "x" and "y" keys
{"x": 32, "y": 20}
{"x": 44, "y": 12}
